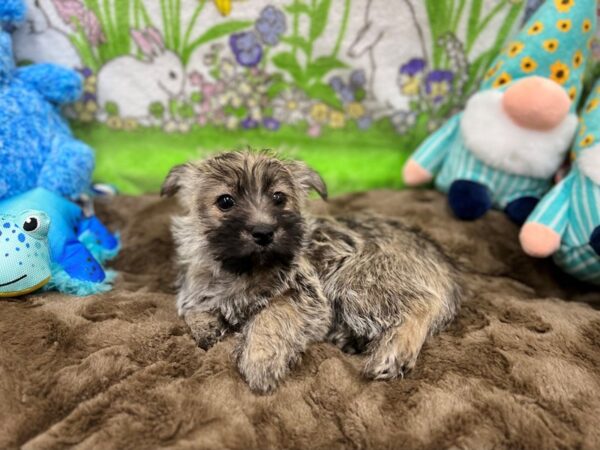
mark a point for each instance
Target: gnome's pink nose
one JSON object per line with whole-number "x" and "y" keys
{"x": 536, "y": 103}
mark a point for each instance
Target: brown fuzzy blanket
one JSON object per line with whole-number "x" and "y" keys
{"x": 519, "y": 369}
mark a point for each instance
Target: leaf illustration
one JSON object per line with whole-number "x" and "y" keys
{"x": 286, "y": 61}
{"x": 322, "y": 66}
{"x": 319, "y": 19}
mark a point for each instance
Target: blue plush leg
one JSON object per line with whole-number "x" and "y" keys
{"x": 68, "y": 169}
{"x": 469, "y": 200}
{"x": 98, "y": 239}
{"x": 595, "y": 240}
{"x": 80, "y": 264}
{"x": 519, "y": 210}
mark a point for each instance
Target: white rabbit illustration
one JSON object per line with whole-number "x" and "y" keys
{"x": 134, "y": 85}
{"x": 381, "y": 37}
{"x": 44, "y": 37}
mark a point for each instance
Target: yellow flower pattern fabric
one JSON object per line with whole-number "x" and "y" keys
{"x": 554, "y": 44}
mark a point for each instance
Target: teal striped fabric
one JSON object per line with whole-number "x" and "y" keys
{"x": 445, "y": 156}
{"x": 571, "y": 209}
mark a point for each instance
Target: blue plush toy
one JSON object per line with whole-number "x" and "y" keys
{"x": 46, "y": 240}
{"x": 37, "y": 148}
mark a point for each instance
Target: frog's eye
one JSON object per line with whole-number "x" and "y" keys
{"x": 31, "y": 224}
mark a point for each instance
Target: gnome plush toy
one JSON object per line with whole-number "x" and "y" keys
{"x": 566, "y": 223}
{"x": 513, "y": 135}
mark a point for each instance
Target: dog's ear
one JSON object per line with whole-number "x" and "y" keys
{"x": 308, "y": 178}
{"x": 172, "y": 183}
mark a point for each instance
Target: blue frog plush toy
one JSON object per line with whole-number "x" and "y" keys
{"x": 566, "y": 223}
{"x": 45, "y": 239}
{"x": 37, "y": 148}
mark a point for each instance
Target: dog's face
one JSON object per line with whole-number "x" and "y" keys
{"x": 246, "y": 206}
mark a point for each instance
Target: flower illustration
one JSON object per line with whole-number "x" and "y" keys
{"x": 588, "y": 140}
{"x": 592, "y": 105}
{"x": 364, "y": 122}
{"x": 564, "y": 25}
{"x": 358, "y": 79}
{"x": 271, "y": 123}
{"x": 492, "y": 71}
{"x": 410, "y": 76}
{"x": 502, "y": 80}
{"x": 564, "y": 5}
{"x": 577, "y": 59}
{"x": 355, "y": 110}
{"x": 572, "y": 93}
{"x": 249, "y": 123}
{"x": 271, "y": 25}
{"x": 528, "y": 64}
{"x": 337, "y": 119}
{"x": 290, "y": 106}
{"x": 515, "y": 48}
{"x": 403, "y": 121}
{"x": 536, "y": 28}
{"x": 550, "y": 45}
{"x": 319, "y": 112}
{"x": 587, "y": 25}
{"x": 314, "y": 130}
{"x": 224, "y": 6}
{"x": 559, "y": 72}
{"x": 246, "y": 48}
{"x": 75, "y": 14}
{"x": 438, "y": 84}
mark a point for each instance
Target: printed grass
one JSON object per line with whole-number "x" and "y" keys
{"x": 350, "y": 160}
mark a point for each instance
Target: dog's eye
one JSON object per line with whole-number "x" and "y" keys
{"x": 225, "y": 202}
{"x": 279, "y": 198}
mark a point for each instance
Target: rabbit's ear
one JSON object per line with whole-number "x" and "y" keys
{"x": 156, "y": 39}
{"x": 142, "y": 42}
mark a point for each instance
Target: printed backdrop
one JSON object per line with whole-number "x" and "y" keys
{"x": 352, "y": 86}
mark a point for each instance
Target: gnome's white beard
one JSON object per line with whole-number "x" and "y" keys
{"x": 589, "y": 163}
{"x": 493, "y": 137}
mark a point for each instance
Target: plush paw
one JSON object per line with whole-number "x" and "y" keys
{"x": 538, "y": 240}
{"x": 595, "y": 240}
{"x": 469, "y": 200}
{"x": 519, "y": 210}
{"x": 415, "y": 175}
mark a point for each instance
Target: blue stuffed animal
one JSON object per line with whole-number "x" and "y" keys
{"x": 45, "y": 239}
{"x": 37, "y": 148}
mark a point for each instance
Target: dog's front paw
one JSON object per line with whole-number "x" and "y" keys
{"x": 388, "y": 366}
{"x": 206, "y": 329}
{"x": 262, "y": 369}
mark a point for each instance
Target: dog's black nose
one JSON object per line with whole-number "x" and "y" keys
{"x": 263, "y": 234}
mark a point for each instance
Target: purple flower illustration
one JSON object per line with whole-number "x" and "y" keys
{"x": 249, "y": 123}
{"x": 336, "y": 83}
{"x": 413, "y": 67}
{"x": 438, "y": 84}
{"x": 364, "y": 122}
{"x": 271, "y": 123}
{"x": 246, "y": 48}
{"x": 271, "y": 25}
{"x": 358, "y": 79}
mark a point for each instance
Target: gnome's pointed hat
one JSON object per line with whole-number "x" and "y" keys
{"x": 555, "y": 43}
{"x": 588, "y": 134}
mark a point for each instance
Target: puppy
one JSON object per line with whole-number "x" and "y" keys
{"x": 253, "y": 261}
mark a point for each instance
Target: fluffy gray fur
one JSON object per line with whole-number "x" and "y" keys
{"x": 366, "y": 283}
